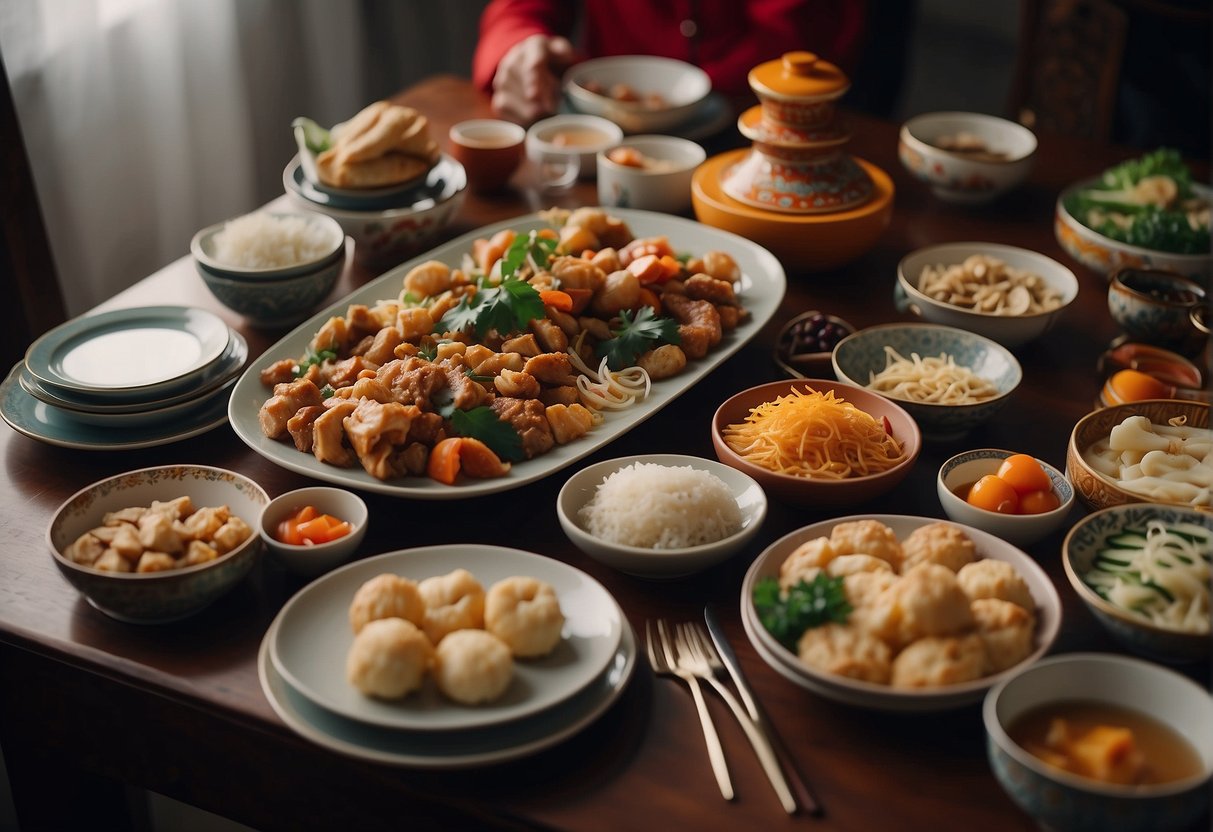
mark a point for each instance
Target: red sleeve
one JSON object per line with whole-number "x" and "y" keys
{"x": 506, "y": 22}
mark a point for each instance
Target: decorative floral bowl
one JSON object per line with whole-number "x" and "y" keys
{"x": 157, "y": 597}
{"x": 861, "y": 355}
{"x": 1155, "y": 306}
{"x": 271, "y": 303}
{"x": 1088, "y": 537}
{"x": 967, "y": 177}
{"x": 1059, "y": 800}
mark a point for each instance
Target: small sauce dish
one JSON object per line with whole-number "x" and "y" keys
{"x": 310, "y": 560}
{"x": 565, "y": 147}
{"x": 963, "y": 470}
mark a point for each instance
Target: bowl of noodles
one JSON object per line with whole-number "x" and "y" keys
{"x": 817, "y": 442}
{"x": 950, "y": 380}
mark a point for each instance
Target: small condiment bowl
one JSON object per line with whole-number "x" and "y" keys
{"x": 1010, "y": 330}
{"x": 314, "y": 559}
{"x": 662, "y": 184}
{"x": 801, "y": 359}
{"x": 964, "y": 469}
{"x": 158, "y": 597}
{"x": 962, "y": 177}
{"x": 1155, "y": 306}
{"x": 1099, "y": 491}
{"x": 565, "y": 147}
{"x": 1057, "y": 799}
{"x": 1088, "y": 538}
{"x": 489, "y": 149}
{"x": 858, "y": 356}
{"x": 660, "y": 563}
{"x": 818, "y": 492}
{"x": 682, "y": 88}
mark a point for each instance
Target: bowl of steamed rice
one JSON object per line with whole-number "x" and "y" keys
{"x": 817, "y": 442}
{"x": 661, "y": 515}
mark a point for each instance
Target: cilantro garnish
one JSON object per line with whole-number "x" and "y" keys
{"x": 526, "y": 248}
{"x": 808, "y": 604}
{"x": 508, "y": 307}
{"x": 635, "y": 335}
{"x": 310, "y": 358}
{"x": 471, "y": 373}
{"x": 327, "y": 391}
{"x": 482, "y": 423}
{"x": 428, "y": 350}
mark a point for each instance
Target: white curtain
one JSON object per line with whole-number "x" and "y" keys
{"x": 146, "y": 120}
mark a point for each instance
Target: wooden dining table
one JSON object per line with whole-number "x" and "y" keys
{"x": 93, "y": 709}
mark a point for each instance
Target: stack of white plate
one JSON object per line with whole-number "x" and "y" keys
{"x": 303, "y": 654}
{"x": 129, "y": 378}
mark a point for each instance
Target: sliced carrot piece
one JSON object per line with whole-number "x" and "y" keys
{"x": 647, "y": 269}
{"x": 443, "y": 464}
{"x": 671, "y": 265}
{"x": 478, "y": 460}
{"x": 556, "y": 299}
{"x": 649, "y": 298}
{"x": 581, "y": 299}
{"x": 546, "y": 233}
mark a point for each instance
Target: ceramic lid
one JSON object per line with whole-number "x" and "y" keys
{"x": 799, "y": 75}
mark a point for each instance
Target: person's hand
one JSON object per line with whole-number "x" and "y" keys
{"x": 527, "y": 83}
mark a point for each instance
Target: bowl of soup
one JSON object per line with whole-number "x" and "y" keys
{"x": 1091, "y": 741}
{"x": 565, "y": 147}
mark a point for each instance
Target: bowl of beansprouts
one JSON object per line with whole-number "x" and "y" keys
{"x": 1143, "y": 572}
{"x": 950, "y": 380}
{"x": 871, "y": 446}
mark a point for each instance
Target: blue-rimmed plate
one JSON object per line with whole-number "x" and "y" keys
{"x": 217, "y": 375}
{"x": 39, "y": 420}
{"x": 440, "y": 183}
{"x": 314, "y": 636}
{"x": 129, "y": 354}
{"x": 761, "y": 289}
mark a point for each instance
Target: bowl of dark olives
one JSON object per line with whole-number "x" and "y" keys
{"x": 806, "y": 341}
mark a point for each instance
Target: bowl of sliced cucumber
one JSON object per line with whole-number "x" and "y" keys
{"x": 1143, "y": 571}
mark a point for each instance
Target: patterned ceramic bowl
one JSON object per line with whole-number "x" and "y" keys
{"x": 1155, "y": 306}
{"x": 1103, "y": 255}
{"x": 1098, "y": 490}
{"x": 272, "y": 303}
{"x": 860, "y": 356}
{"x": 157, "y": 597}
{"x": 964, "y": 469}
{"x": 1141, "y": 635}
{"x": 999, "y": 157}
{"x": 330, "y": 238}
{"x": 1057, "y": 799}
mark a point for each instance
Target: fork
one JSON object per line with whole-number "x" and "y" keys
{"x": 663, "y": 663}
{"x": 693, "y": 657}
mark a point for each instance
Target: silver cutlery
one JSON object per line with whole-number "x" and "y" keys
{"x": 692, "y": 652}
{"x": 664, "y": 663}
{"x": 727, "y": 660}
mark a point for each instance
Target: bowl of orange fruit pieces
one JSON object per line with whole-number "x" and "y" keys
{"x": 1015, "y": 496}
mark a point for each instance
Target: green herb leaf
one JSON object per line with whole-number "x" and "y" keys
{"x": 807, "y": 605}
{"x": 327, "y": 391}
{"x": 461, "y": 317}
{"x": 428, "y": 350}
{"x": 314, "y": 357}
{"x": 482, "y": 423}
{"x": 315, "y": 137}
{"x": 527, "y": 248}
{"x": 636, "y": 335}
{"x": 507, "y": 308}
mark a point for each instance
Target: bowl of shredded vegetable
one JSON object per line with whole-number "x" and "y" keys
{"x": 871, "y": 445}
{"x": 1143, "y": 572}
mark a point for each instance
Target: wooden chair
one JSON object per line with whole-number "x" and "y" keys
{"x": 34, "y": 301}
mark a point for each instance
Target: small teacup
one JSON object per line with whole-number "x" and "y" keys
{"x": 1155, "y": 306}
{"x": 490, "y": 150}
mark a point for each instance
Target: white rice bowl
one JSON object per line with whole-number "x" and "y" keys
{"x": 269, "y": 241}
{"x": 661, "y": 507}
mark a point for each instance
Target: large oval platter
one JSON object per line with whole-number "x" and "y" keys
{"x": 761, "y": 290}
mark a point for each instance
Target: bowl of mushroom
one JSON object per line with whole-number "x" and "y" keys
{"x": 1010, "y": 295}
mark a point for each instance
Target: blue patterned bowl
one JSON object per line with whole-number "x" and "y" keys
{"x": 1059, "y": 800}
{"x": 157, "y": 597}
{"x": 1155, "y": 306}
{"x": 859, "y": 356}
{"x": 272, "y": 303}
{"x": 1133, "y": 630}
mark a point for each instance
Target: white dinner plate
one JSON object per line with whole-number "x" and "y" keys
{"x": 761, "y": 290}
{"x": 38, "y": 420}
{"x": 445, "y": 750}
{"x": 128, "y": 354}
{"x": 314, "y": 636}
{"x": 221, "y": 374}
{"x": 883, "y": 697}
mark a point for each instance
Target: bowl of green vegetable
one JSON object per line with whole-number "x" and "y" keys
{"x": 1143, "y": 572}
{"x": 1143, "y": 213}
{"x": 839, "y": 629}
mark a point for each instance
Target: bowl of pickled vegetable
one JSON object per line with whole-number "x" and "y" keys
{"x": 1143, "y": 571}
{"x": 1012, "y": 495}
{"x": 1145, "y": 213}
{"x": 312, "y": 530}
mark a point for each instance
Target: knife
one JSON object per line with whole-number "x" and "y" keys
{"x": 795, "y": 779}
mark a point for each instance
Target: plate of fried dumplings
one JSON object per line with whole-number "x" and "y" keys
{"x": 938, "y": 611}
{"x": 446, "y": 638}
